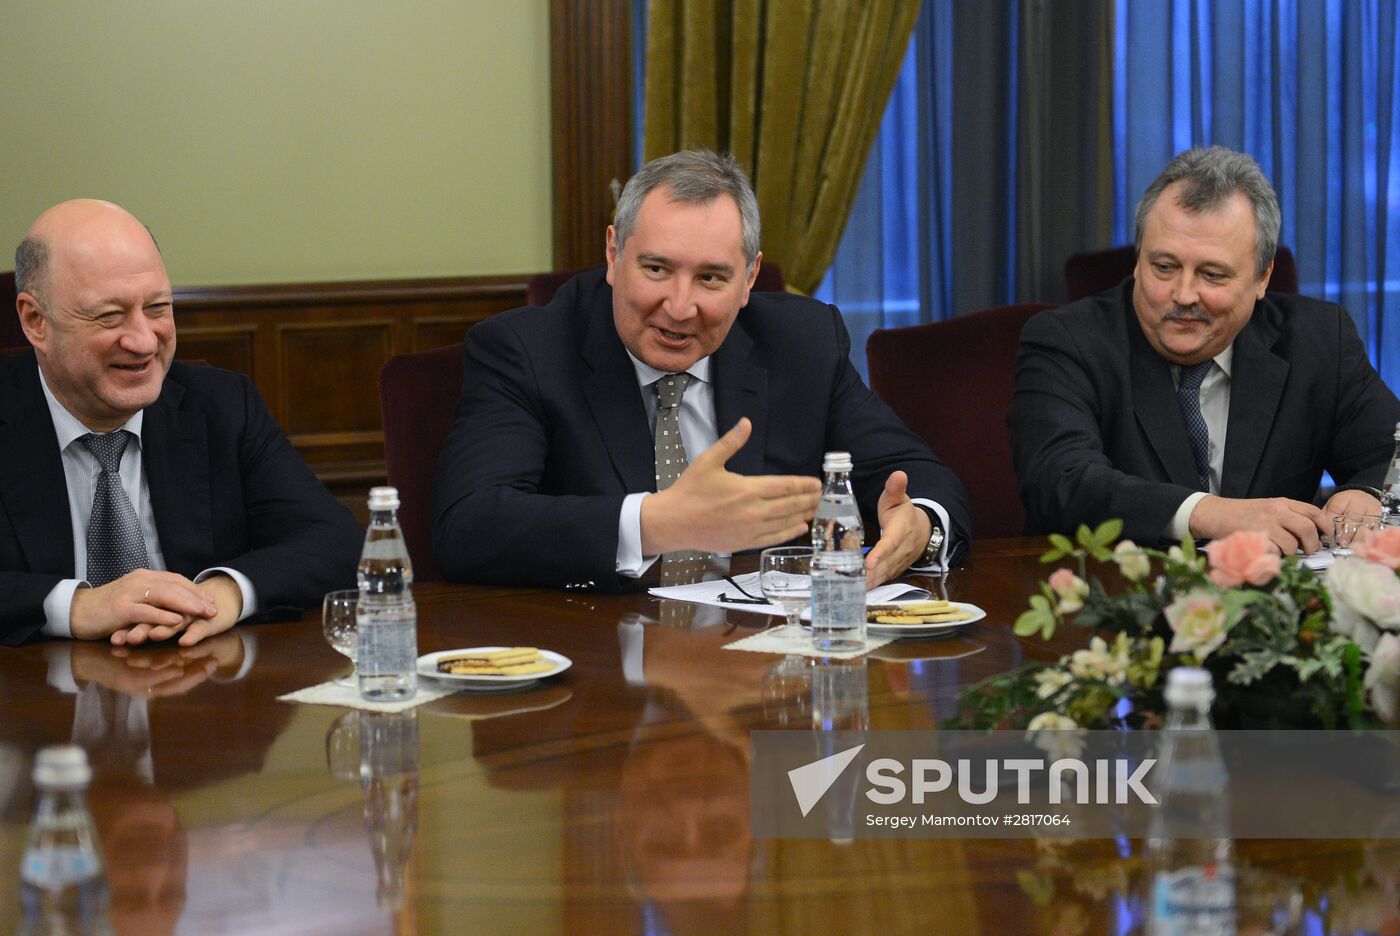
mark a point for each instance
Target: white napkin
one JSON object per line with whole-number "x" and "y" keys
{"x": 798, "y": 641}
{"x": 328, "y": 693}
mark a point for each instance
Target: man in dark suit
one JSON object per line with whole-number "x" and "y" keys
{"x": 1188, "y": 399}
{"x": 141, "y": 499}
{"x": 549, "y": 474}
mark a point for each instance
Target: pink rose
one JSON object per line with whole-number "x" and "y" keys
{"x": 1379, "y": 546}
{"x": 1070, "y": 589}
{"x": 1243, "y": 556}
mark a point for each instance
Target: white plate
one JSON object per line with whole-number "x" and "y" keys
{"x": 427, "y": 666}
{"x": 922, "y": 629}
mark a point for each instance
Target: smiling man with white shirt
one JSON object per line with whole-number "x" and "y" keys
{"x": 143, "y": 499}
{"x": 1190, "y": 399}
{"x": 660, "y": 408}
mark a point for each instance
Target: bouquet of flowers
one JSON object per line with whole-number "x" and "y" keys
{"x": 1288, "y": 647}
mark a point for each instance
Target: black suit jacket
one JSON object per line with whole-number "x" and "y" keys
{"x": 227, "y": 489}
{"x": 551, "y": 433}
{"x": 1097, "y": 433}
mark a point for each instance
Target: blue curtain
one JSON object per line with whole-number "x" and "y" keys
{"x": 1308, "y": 87}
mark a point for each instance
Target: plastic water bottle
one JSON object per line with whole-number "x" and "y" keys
{"x": 838, "y": 565}
{"x": 386, "y": 617}
{"x": 62, "y": 886}
{"x": 1390, "y": 490}
{"x": 1189, "y": 848}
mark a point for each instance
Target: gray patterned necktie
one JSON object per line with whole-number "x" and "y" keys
{"x": 1188, "y": 395}
{"x": 114, "y": 542}
{"x": 686, "y": 565}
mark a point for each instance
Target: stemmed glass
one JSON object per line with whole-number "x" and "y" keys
{"x": 338, "y": 624}
{"x": 1347, "y": 528}
{"x": 785, "y": 575}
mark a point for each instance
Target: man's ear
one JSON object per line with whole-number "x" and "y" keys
{"x": 611, "y": 252}
{"x": 31, "y": 319}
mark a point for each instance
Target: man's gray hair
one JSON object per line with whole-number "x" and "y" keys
{"x": 31, "y": 262}
{"x": 697, "y": 177}
{"x": 1210, "y": 175}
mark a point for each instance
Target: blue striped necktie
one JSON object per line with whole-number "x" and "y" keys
{"x": 1188, "y": 395}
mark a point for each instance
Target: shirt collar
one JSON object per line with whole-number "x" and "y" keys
{"x": 648, "y": 375}
{"x": 68, "y": 427}
{"x": 1225, "y": 360}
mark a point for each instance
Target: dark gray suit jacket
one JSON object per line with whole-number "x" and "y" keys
{"x": 551, "y": 433}
{"x": 1096, "y": 431}
{"x": 227, "y": 489}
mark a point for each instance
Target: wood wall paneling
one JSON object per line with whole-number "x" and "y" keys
{"x": 590, "y": 88}
{"x": 315, "y": 351}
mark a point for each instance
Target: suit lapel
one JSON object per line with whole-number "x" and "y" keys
{"x": 1256, "y": 385}
{"x": 175, "y": 454}
{"x": 741, "y": 389}
{"x": 612, "y": 395}
{"x": 1158, "y": 413}
{"x": 32, "y": 482}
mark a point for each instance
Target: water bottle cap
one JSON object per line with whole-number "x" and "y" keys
{"x": 837, "y": 461}
{"x": 62, "y": 767}
{"x": 1189, "y": 685}
{"x": 384, "y": 498}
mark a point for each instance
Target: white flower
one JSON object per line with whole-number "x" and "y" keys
{"x": 1057, "y": 735}
{"x": 1132, "y": 561}
{"x": 1197, "y": 621}
{"x": 1070, "y": 588}
{"x": 1100, "y": 663}
{"x": 1051, "y": 681}
{"x": 1383, "y": 679}
{"x": 1365, "y": 595}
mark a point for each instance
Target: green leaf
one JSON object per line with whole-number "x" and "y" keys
{"x": 1062, "y": 543}
{"x": 1108, "y": 532}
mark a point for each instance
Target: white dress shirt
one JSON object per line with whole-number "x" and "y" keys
{"x": 699, "y": 432}
{"x": 1215, "y": 410}
{"x": 80, "y": 472}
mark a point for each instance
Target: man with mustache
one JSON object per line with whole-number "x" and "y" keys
{"x": 1190, "y": 400}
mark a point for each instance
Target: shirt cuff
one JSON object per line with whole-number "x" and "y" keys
{"x": 942, "y": 563}
{"x": 58, "y": 608}
{"x": 250, "y": 594}
{"x": 630, "y": 561}
{"x": 1180, "y": 526}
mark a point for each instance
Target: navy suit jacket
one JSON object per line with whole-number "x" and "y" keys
{"x": 1097, "y": 433}
{"x": 551, "y": 434}
{"x": 227, "y": 489}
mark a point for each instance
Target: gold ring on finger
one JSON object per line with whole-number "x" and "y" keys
{"x": 146, "y": 596}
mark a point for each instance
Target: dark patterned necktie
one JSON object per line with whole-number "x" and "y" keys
{"x": 686, "y": 565}
{"x": 1188, "y": 395}
{"x": 114, "y": 543}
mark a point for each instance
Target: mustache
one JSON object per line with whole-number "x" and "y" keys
{"x": 1192, "y": 313}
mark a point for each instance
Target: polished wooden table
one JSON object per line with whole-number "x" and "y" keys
{"x": 611, "y": 799}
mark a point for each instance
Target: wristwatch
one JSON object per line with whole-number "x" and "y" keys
{"x": 935, "y": 542}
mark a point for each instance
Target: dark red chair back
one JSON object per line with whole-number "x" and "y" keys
{"x": 1088, "y": 274}
{"x": 11, "y": 335}
{"x": 541, "y": 287}
{"x": 417, "y": 396}
{"x": 951, "y": 383}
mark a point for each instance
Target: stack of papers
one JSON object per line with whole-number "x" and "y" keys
{"x": 708, "y": 593}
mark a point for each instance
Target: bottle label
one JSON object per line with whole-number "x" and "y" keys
{"x": 838, "y": 599}
{"x": 1199, "y": 901}
{"x": 58, "y": 866}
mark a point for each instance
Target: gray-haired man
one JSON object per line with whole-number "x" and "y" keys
{"x": 1188, "y": 399}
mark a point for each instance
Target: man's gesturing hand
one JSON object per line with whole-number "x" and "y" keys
{"x": 715, "y": 510}
{"x": 904, "y": 532}
{"x": 1292, "y": 525}
{"x": 144, "y": 599}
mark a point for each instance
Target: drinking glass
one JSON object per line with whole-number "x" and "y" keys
{"x": 785, "y": 575}
{"x": 338, "y": 624}
{"x": 1346, "y": 528}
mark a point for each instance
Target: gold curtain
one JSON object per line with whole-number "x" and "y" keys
{"x": 793, "y": 89}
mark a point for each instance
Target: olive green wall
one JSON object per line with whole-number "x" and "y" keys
{"x": 287, "y": 140}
